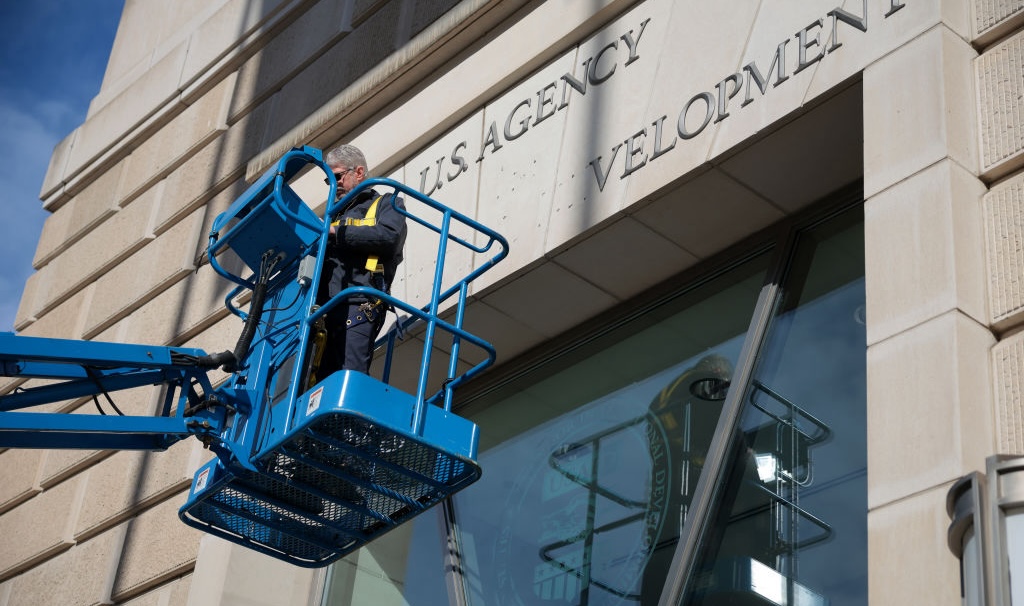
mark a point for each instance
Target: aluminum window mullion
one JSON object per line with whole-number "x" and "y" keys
{"x": 708, "y": 490}
{"x": 454, "y": 576}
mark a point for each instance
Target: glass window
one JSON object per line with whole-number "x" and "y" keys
{"x": 1014, "y": 525}
{"x": 403, "y": 567}
{"x": 790, "y": 526}
{"x": 592, "y": 455}
{"x": 590, "y": 460}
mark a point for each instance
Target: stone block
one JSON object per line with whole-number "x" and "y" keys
{"x": 171, "y": 210}
{"x": 190, "y": 186}
{"x": 908, "y": 559}
{"x": 141, "y": 34}
{"x": 1003, "y": 208}
{"x": 246, "y": 138}
{"x": 54, "y": 236}
{"x": 335, "y": 69}
{"x": 129, "y": 481}
{"x": 39, "y": 528}
{"x": 269, "y": 582}
{"x": 115, "y": 332}
{"x": 927, "y": 117}
{"x": 568, "y": 299}
{"x": 1007, "y": 360}
{"x": 700, "y": 229}
{"x": 153, "y": 89}
{"x": 363, "y": 9}
{"x": 214, "y": 167}
{"x": 157, "y": 547}
{"x": 759, "y": 48}
{"x": 993, "y": 19}
{"x": 144, "y": 274}
{"x": 286, "y": 53}
{"x": 148, "y": 33}
{"x": 593, "y": 144}
{"x": 53, "y": 181}
{"x": 519, "y": 195}
{"x": 97, "y": 251}
{"x": 28, "y": 305}
{"x": 809, "y": 158}
{"x": 924, "y": 250}
{"x": 223, "y": 36}
{"x": 184, "y": 307}
{"x": 64, "y": 321}
{"x": 445, "y": 172}
{"x": 1000, "y": 104}
{"x": 891, "y": 25}
{"x": 625, "y": 258}
{"x": 94, "y": 203}
{"x": 929, "y": 386}
{"x": 61, "y": 464}
{"x": 88, "y": 564}
{"x": 177, "y": 140}
{"x": 420, "y": 117}
{"x": 179, "y": 311}
{"x": 174, "y": 593}
{"x": 19, "y": 476}
{"x": 425, "y": 13}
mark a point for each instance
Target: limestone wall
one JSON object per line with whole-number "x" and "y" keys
{"x": 674, "y": 152}
{"x": 942, "y": 228}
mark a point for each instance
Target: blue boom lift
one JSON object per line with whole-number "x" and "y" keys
{"x": 303, "y": 472}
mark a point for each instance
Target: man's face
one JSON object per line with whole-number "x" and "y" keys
{"x": 347, "y": 177}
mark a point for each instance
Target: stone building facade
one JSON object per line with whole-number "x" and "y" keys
{"x": 629, "y": 150}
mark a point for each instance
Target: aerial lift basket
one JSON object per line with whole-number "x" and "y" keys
{"x": 347, "y": 473}
{"x": 352, "y": 457}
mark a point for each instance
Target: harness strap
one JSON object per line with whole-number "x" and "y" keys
{"x": 372, "y": 261}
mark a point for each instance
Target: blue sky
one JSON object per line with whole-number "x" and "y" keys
{"x": 52, "y": 58}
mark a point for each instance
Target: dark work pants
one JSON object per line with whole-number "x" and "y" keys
{"x": 350, "y": 336}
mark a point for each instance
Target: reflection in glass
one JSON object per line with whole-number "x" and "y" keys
{"x": 402, "y": 568}
{"x": 590, "y": 461}
{"x": 790, "y": 526}
{"x": 591, "y": 458}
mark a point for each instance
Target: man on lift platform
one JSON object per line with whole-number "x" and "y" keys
{"x": 365, "y": 248}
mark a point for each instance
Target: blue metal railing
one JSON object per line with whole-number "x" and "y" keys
{"x": 271, "y": 196}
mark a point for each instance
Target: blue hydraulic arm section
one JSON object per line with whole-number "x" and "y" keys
{"x": 83, "y": 368}
{"x": 307, "y": 468}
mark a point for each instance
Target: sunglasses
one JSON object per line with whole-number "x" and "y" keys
{"x": 338, "y": 176}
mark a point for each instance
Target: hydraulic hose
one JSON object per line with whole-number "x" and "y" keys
{"x": 259, "y": 295}
{"x": 228, "y": 359}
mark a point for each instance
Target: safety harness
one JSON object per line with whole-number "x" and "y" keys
{"x": 368, "y": 309}
{"x": 372, "y": 261}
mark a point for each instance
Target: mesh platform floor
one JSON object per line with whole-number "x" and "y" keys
{"x": 336, "y": 485}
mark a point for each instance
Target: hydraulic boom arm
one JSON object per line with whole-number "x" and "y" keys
{"x": 73, "y": 369}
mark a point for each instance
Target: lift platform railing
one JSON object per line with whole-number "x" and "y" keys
{"x": 305, "y": 470}
{"x": 333, "y": 465}
{"x": 270, "y": 216}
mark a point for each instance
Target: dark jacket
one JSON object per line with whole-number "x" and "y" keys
{"x": 348, "y": 250}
